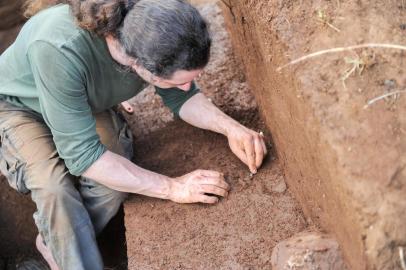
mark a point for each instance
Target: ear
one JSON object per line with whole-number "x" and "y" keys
{"x": 142, "y": 72}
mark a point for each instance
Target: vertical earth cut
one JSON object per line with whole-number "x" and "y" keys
{"x": 344, "y": 161}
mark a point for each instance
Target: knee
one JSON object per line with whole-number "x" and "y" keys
{"x": 111, "y": 197}
{"x": 56, "y": 198}
{"x": 55, "y": 185}
{"x": 119, "y": 196}
{"x": 59, "y": 206}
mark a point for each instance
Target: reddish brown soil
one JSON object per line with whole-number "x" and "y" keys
{"x": 239, "y": 232}
{"x": 17, "y": 229}
{"x": 345, "y": 164}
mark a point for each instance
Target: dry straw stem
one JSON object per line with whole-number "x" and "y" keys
{"x": 342, "y": 49}
{"x": 372, "y": 101}
{"x": 322, "y": 17}
{"x": 402, "y": 258}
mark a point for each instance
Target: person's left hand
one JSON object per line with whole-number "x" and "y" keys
{"x": 248, "y": 145}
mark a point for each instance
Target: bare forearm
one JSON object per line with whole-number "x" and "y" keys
{"x": 121, "y": 174}
{"x": 246, "y": 144}
{"x": 200, "y": 112}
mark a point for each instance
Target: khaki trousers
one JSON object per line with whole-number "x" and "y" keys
{"x": 70, "y": 210}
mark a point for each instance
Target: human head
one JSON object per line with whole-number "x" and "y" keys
{"x": 164, "y": 36}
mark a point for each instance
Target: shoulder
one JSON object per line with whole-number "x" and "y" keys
{"x": 57, "y": 27}
{"x": 54, "y": 31}
{"x": 54, "y": 25}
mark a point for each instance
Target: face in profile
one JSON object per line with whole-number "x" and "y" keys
{"x": 181, "y": 79}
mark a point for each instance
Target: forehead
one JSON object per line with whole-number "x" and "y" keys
{"x": 184, "y": 76}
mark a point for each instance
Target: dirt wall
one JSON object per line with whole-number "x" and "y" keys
{"x": 343, "y": 160}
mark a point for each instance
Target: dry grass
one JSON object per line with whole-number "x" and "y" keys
{"x": 326, "y": 20}
{"x": 402, "y": 258}
{"x": 342, "y": 49}
{"x": 357, "y": 65}
{"x": 394, "y": 94}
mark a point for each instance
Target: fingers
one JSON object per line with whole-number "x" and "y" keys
{"x": 264, "y": 147}
{"x": 239, "y": 152}
{"x": 208, "y": 173}
{"x": 259, "y": 152}
{"x": 212, "y": 178}
{"x": 263, "y": 143}
{"x": 127, "y": 107}
{"x": 207, "y": 199}
{"x": 214, "y": 190}
{"x": 198, "y": 185}
{"x": 255, "y": 150}
{"x": 221, "y": 183}
{"x": 249, "y": 147}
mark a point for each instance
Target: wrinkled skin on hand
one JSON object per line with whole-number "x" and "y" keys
{"x": 196, "y": 186}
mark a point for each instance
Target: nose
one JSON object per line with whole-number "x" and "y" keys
{"x": 185, "y": 87}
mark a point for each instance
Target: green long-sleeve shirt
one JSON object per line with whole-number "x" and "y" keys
{"x": 67, "y": 74}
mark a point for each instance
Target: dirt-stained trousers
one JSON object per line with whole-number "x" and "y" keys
{"x": 70, "y": 210}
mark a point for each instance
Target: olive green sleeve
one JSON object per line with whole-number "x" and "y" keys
{"x": 64, "y": 106}
{"x": 174, "y": 98}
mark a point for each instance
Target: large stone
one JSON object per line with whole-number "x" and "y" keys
{"x": 343, "y": 160}
{"x": 308, "y": 251}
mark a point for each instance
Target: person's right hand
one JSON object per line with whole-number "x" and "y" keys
{"x": 196, "y": 186}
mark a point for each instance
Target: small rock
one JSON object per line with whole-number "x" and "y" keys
{"x": 308, "y": 251}
{"x": 390, "y": 84}
{"x": 279, "y": 187}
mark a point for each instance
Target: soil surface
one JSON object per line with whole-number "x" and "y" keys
{"x": 17, "y": 228}
{"x": 240, "y": 231}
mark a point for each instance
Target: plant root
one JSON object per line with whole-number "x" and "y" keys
{"x": 342, "y": 49}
